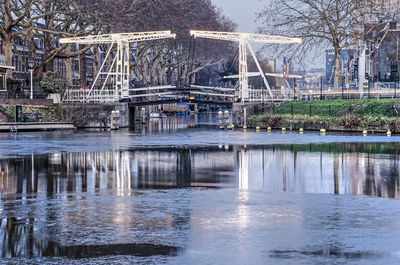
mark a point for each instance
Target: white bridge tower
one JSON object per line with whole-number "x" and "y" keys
{"x": 120, "y": 66}
{"x": 244, "y": 40}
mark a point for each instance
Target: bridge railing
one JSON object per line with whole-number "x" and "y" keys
{"x": 349, "y": 94}
{"x": 109, "y": 94}
{"x": 96, "y": 95}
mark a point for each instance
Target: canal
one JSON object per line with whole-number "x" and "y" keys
{"x": 180, "y": 191}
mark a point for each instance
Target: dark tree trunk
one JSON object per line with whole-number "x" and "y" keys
{"x": 82, "y": 67}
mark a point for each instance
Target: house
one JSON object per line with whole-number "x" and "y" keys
{"x": 3, "y": 79}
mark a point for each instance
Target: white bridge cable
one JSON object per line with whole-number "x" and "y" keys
{"x": 261, "y": 72}
{"x": 108, "y": 75}
{"x": 102, "y": 66}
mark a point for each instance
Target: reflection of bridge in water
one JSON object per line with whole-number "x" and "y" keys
{"x": 46, "y": 189}
{"x": 253, "y": 167}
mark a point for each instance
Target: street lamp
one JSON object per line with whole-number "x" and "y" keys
{"x": 369, "y": 87}
{"x": 31, "y": 65}
{"x": 320, "y": 87}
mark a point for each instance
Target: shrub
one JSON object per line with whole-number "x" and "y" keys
{"x": 272, "y": 121}
{"x": 394, "y": 125}
{"x": 52, "y": 83}
{"x": 350, "y": 121}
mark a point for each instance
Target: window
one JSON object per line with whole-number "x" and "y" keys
{"x": 2, "y": 81}
{"x": 75, "y": 65}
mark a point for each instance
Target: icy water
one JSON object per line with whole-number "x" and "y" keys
{"x": 182, "y": 192}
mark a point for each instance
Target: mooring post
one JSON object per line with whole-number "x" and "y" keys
{"x": 143, "y": 113}
{"x": 221, "y": 120}
{"x": 245, "y": 117}
{"x": 227, "y": 118}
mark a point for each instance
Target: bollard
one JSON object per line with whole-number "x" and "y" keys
{"x": 269, "y": 129}
{"x": 143, "y": 113}
{"x": 322, "y": 131}
{"x": 301, "y": 130}
{"x": 221, "y": 120}
{"x": 389, "y": 133}
{"x": 115, "y": 117}
{"x": 257, "y": 129}
{"x": 232, "y": 127}
{"x": 245, "y": 116}
{"x": 18, "y": 113}
{"x": 81, "y": 94}
{"x": 283, "y": 129}
{"x": 365, "y": 133}
{"x": 87, "y": 93}
{"x": 245, "y": 128}
{"x": 227, "y": 118}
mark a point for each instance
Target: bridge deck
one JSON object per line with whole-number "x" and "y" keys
{"x": 180, "y": 100}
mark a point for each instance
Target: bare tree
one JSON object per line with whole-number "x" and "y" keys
{"x": 12, "y": 13}
{"x": 50, "y": 20}
{"x": 158, "y": 60}
{"x": 59, "y": 19}
{"x": 320, "y": 23}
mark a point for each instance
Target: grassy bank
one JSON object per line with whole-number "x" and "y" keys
{"x": 346, "y": 114}
{"x": 337, "y": 108}
{"x": 48, "y": 113}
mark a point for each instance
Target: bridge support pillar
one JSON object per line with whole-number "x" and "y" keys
{"x": 123, "y": 110}
{"x": 242, "y": 111}
{"x": 143, "y": 115}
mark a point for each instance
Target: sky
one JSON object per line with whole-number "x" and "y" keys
{"x": 242, "y": 12}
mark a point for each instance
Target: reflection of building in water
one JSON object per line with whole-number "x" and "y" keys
{"x": 243, "y": 157}
{"x": 15, "y": 234}
{"x": 116, "y": 170}
{"x": 283, "y": 169}
{"x": 280, "y": 168}
{"x": 172, "y": 123}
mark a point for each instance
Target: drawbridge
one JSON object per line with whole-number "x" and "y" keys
{"x": 245, "y": 93}
{"x": 116, "y": 79}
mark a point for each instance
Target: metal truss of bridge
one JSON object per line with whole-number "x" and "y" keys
{"x": 119, "y": 70}
{"x": 244, "y": 39}
{"x": 189, "y": 94}
{"x": 118, "y": 73}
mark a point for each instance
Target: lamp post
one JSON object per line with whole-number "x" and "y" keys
{"x": 369, "y": 87}
{"x": 294, "y": 87}
{"x": 341, "y": 79}
{"x": 31, "y": 65}
{"x": 320, "y": 87}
